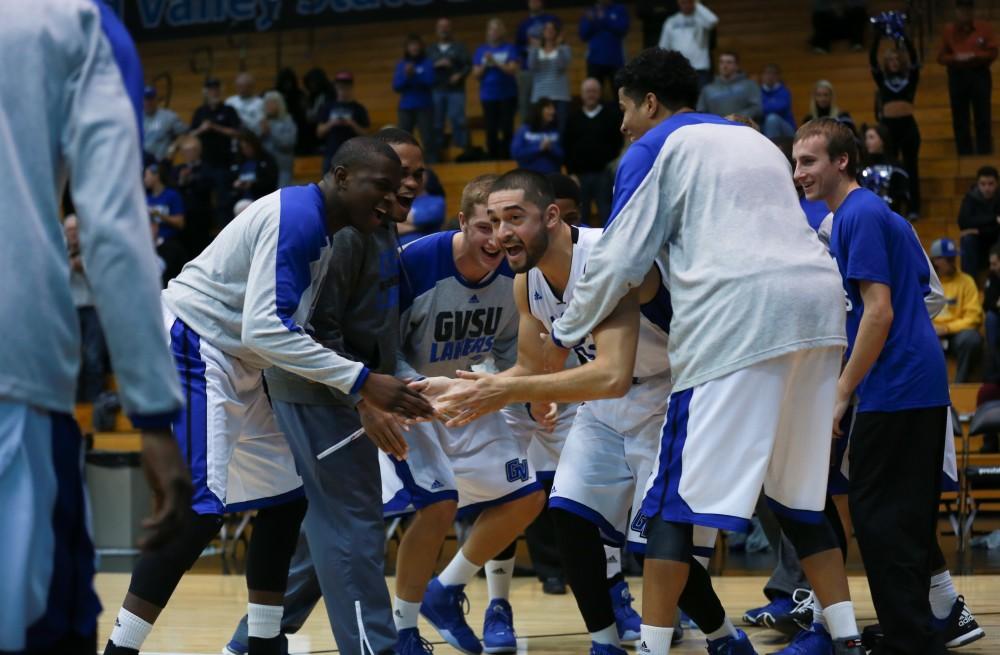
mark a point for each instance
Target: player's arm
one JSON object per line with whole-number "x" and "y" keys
{"x": 872, "y": 334}
{"x": 607, "y": 376}
{"x": 529, "y": 334}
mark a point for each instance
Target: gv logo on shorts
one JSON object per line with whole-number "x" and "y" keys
{"x": 639, "y": 524}
{"x": 517, "y": 469}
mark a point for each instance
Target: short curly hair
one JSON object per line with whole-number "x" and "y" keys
{"x": 667, "y": 74}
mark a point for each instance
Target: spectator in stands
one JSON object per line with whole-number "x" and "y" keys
{"x": 166, "y": 216}
{"x": 979, "y": 221}
{"x": 958, "y": 323}
{"x": 452, "y": 65}
{"x": 968, "y": 47}
{"x": 287, "y": 84}
{"x": 732, "y": 92}
{"x": 94, "y": 353}
{"x": 881, "y": 174}
{"x": 689, "y": 32}
{"x": 256, "y": 171}
{"x": 342, "y": 118}
{"x": 425, "y": 217}
{"x": 319, "y": 94}
{"x": 278, "y": 134}
{"x": 652, "y": 13}
{"x": 414, "y": 81}
{"x": 824, "y": 105}
{"x": 537, "y": 145}
{"x": 195, "y": 188}
{"x": 566, "y": 193}
{"x": 217, "y": 124}
{"x": 495, "y": 65}
{"x": 593, "y": 140}
{"x": 528, "y": 30}
{"x": 603, "y": 28}
{"x": 828, "y": 24}
{"x": 549, "y": 59}
{"x": 247, "y": 103}
{"x": 896, "y": 78}
{"x": 991, "y": 374}
{"x": 776, "y": 104}
{"x": 161, "y": 127}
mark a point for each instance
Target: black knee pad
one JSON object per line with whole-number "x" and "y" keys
{"x": 669, "y": 540}
{"x": 699, "y": 600}
{"x": 157, "y": 572}
{"x": 808, "y": 538}
{"x": 508, "y": 552}
{"x": 275, "y": 536}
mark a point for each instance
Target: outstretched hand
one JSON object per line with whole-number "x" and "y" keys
{"x": 390, "y": 394}
{"x": 385, "y": 430}
{"x": 471, "y": 396}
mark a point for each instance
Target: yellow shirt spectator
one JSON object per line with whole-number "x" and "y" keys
{"x": 963, "y": 310}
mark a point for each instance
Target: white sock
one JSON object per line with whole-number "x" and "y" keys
{"x": 608, "y": 635}
{"x": 840, "y": 620}
{"x": 264, "y": 621}
{"x": 405, "y": 613}
{"x": 818, "y": 617}
{"x": 654, "y": 640}
{"x": 459, "y": 571}
{"x": 726, "y": 630}
{"x": 129, "y": 631}
{"x": 499, "y": 573}
{"x": 943, "y": 594}
{"x": 613, "y": 556}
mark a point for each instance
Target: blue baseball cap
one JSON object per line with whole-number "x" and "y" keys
{"x": 149, "y": 92}
{"x": 428, "y": 212}
{"x": 944, "y": 248}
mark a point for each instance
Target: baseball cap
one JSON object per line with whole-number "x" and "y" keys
{"x": 212, "y": 83}
{"x": 149, "y": 92}
{"x": 944, "y": 248}
{"x": 428, "y": 212}
{"x": 344, "y": 76}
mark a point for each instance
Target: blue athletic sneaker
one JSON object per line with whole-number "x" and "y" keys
{"x": 445, "y": 609}
{"x": 409, "y": 642}
{"x": 738, "y": 645}
{"x": 235, "y": 648}
{"x": 626, "y": 618}
{"x": 765, "y": 617}
{"x": 498, "y": 628}
{"x": 605, "y": 649}
{"x": 816, "y": 641}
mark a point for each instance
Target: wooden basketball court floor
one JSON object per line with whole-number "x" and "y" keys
{"x": 206, "y": 606}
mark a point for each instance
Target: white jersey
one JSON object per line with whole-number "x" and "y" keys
{"x": 651, "y": 361}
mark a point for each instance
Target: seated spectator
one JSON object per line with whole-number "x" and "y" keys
{"x": 256, "y": 171}
{"x": 413, "y": 81}
{"x": 287, "y": 84}
{"x": 991, "y": 307}
{"x": 216, "y": 124}
{"x": 166, "y": 214}
{"x": 829, "y": 24}
{"x": 548, "y": 60}
{"x": 319, "y": 93}
{"x": 278, "y": 134}
{"x": 689, "y": 32}
{"x": 731, "y": 92}
{"x": 979, "y": 220}
{"x": 426, "y": 217}
{"x": 247, "y": 103}
{"x": 495, "y": 65}
{"x": 342, "y": 118}
{"x": 824, "y": 105}
{"x": 452, "y": 66}
{"x": 161, "y": 127}
{"x": 593, "y": 140}
{"x": 959, "y": 322}
{"x": 94, "y": 350}
{"x": 537, "y": 146}
{"x": 776, "y": 104}
{"x": 566, "y": 192}
{"x": 196, "y": 192}
{"x": 603, "y": 28}
{"x": 881, "y": 175}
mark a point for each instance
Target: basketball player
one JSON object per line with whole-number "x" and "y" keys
{"x": 897, "y": 369}
{"x": 70, "y": 108}
{"x": 457, "y": 310}
{"x": 611, "y": 447}
{"x": 757, "y": 336}
{"x": 238, "y": 308}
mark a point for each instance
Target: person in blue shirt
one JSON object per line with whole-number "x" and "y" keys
{"x": 495, "y": 65}
{"x": 896, "y": 368}
{"x": 603, "y": 28}
{"x": 537, "y": 145}
{"x": 776, "y": 102}
{"x": 414, "y": 82}
{"x": 166, "y": 215}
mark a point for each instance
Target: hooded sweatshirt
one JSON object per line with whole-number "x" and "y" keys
{"x": 737, "y": 95}
{"x": 978, "y": 212}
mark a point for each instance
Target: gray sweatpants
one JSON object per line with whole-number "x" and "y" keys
{"x": 344, "y": 559}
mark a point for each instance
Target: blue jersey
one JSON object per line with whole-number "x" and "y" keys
{"x": 872, "y": 243}
{"x": 495, "y": 83}
{"x": 166, "y": 203}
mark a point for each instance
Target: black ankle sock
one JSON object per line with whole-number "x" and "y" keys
{"x": 261, "y": 646}
{"x": 111, "y": 649}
